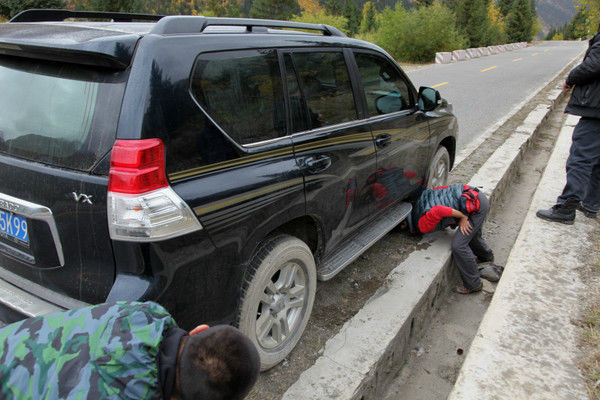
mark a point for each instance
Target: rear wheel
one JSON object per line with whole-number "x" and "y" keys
{"x": 277, "y": 297}
{"x": 439, "y": 168}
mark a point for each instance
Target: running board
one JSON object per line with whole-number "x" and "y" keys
{"x": 350, "y": 251}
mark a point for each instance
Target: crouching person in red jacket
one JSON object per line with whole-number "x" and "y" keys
{"x": 456, "y": 205}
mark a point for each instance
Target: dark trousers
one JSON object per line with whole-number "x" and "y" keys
{"x": 583, "y": 165}
{"x": 466, "y": 247}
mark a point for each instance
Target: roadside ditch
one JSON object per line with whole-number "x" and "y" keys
{"x": 340, "y": 299}
{"x": 433, "y": 365}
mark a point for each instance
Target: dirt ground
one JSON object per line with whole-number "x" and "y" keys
{"x": 434, "y": 364}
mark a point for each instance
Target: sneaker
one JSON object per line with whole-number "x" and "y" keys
{"x": 588, "y": 213}
{"x": 463, "y": 290}
{"x": 563, "y": 213}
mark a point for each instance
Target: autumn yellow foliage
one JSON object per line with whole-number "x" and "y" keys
{"x": 310, "y": 6}
{"x": 592, "y": 12}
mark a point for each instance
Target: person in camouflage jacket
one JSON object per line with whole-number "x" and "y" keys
{"x": 123, "y": 350}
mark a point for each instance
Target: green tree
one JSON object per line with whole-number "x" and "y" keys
{"x": 369, "y": 23}
{"x": 472, "y": 15}
{"x": 576, "y": 28}
{"x": 519, "y": 23}
{"x": 274, "y": 9}
{"x": 322, "y": 18}
{"x": 497, "y": 29}
{"x": 10, "y": 8}
{"x": 110, "y": 5}
{"x": 216, "y": 8}
{"x": 333, "y": 7}
{"x": 505, "y": 6}
{"x": 416, "y": 35}
{"x": 353, "y": 17}
{"x": 591, "y": 9}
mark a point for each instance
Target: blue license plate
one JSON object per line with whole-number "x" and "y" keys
{"x": 13, "y": 226}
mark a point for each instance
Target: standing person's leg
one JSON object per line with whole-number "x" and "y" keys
{"x": 463, "y": 255}
{"x": 583, "y": 156}
{"x": 591, "y": 203}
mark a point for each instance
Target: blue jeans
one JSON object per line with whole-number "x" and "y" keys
{"x": 583, "y": 165}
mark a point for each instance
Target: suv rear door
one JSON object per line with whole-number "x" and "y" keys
{"x": 57, "y": 123}
{"x": 333, "y": 147}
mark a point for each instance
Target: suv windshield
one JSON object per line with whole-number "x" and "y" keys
{"x": 60, "y": 114}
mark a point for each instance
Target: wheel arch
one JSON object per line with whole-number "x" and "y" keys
{"x": 449, "y": 142}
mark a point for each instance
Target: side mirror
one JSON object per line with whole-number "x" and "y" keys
{"x": 389, "y": 103}
{"x": 429, "y": 99}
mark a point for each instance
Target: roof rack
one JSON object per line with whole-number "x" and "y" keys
{"x": 197, "y": 24}
{"x": 41, "y": 15}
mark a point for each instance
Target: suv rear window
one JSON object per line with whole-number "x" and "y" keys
{"x": 60, "y": 114}
{"x": 242, "y": 91}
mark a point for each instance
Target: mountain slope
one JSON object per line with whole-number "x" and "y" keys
{"x": 555, "y": 13}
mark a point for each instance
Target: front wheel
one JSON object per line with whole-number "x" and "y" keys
{"x": 277, "y": 297}
{"x": 439, "y": 168}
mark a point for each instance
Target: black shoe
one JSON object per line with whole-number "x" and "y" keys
{"x": 586, "y": 212}
{"x": 481, "y": 260}
{"x": 564, "y": 213}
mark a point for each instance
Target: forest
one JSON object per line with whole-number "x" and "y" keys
{"x": 410, "y": 30}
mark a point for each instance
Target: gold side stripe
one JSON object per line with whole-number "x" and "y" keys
{"x": 354, "y": 138}
{"x": 247, "y": 196}
{"x": 230, "y": 163}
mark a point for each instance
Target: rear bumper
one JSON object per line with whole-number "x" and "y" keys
{"x": 17, "y": 300}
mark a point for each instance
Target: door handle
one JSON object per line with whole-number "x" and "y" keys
{"x": 383, "y": 140}
{"x": 319, "y": 163}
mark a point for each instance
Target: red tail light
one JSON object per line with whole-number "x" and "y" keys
{"x": 137, "y": 166}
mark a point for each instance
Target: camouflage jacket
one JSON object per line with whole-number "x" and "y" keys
{"x": 107, "y": 351}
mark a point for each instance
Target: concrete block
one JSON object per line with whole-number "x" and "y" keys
{"x": 460, "y": 55}
{"x": 443, "y": 57}
{"x": 493, "y": 49}
{"x": 474, "y": 53}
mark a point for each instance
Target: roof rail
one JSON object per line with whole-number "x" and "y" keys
{"x": 41, "y": 15}
{"x": 197, "y": 24}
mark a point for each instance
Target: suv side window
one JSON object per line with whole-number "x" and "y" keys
{"x": 326, "y": 87}
{"x": 385, "y": 89}
{"x": 243, "y": 92}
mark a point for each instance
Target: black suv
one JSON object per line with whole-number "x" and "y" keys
{"x": 217, "y": 166}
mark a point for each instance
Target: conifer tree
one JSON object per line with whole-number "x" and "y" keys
{"x": 519, "y": 23}
{"x": 274, "y": 9}
{"x": 353, "y": 17}
{"x": 368, "y": 21}
{"x": 10, "y": 8}
{"x": 505, "y": 6}
{"x": 472, "y": 16}
{"x": 333, "y": 7}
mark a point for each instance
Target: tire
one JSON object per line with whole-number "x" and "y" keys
{"x": 278, "y": 293}
{"x": 439, "y": 168}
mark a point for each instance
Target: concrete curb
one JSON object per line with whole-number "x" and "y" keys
{"x": 526, "y": 345}
{"x": 462, "y": 55}
{"x": 365, "y": 355}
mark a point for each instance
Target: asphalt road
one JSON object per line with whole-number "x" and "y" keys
{"x": 484, "y": 90}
